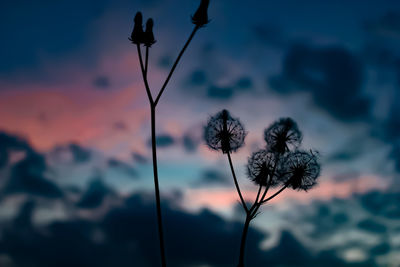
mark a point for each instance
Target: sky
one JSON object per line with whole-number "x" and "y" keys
{"x": 76, "y": 184}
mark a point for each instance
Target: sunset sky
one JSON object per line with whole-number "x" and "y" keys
{"x": 76, "y": 184}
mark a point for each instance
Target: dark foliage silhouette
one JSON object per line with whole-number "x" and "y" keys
{"x": 280, "y": 164}
{"x": 146, "y": 38}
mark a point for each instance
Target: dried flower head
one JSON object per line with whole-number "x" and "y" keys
{"x": 260, "y": 168}
{"x": 223, "y": 132}
{"x": 200, "y": 18}
{"x": 282, "y": 136}
{"x": 148, "y": 36}
{"x": 137, "y": 32}
{"x": 300, "y": 169}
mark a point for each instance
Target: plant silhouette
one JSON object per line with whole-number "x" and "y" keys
{"x": 281, "y": 164}
{"x": 146, "y": 38}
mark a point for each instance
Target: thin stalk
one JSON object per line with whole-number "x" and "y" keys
{"x": 146, "y": 61}
{"x": 243, "y": 241}
{"x": 144, "y": 76}
{"x": 153, "y": 104}
{"x": 236, "y": 183}
{"x": 175, "y": 64}
{"x": 156, "y": 185}
{"x": 274, "y": 195}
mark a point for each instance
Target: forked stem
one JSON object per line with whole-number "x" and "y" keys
{"x": 175, "y": 64}
{"x": 153, "y": 104}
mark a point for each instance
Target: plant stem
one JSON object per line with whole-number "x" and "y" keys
{"x": 144, "y": 74}
{"x": 236, "y": 183}
{"x": 146, "y": 61}
{"x": 243, "y": 241}
{"x": 274, "y": 195}
{"x": 175, "y": 64}
{"x": 153, "y": 104}
{"x": 156, "y": 185}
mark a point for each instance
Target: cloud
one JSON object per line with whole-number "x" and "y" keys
{"x": 163, "y": 141}
{"x": 332, "y": 75}
{"x": 380, "y": 249}
{"x": 269, "y": 34}
{"x": 9, "y": 143}
{"x": 219, "y": 92}
{"x": 80, "y": 154}
{"x": 102, "y": 82}
{"x": 139, "y": 158}
{"x": 189, "y": 143}
{"x": 24, "y": 217}
{"x": 124, "y": 167}
{"x": 244, "y": 83}
{"x": 212, "y": 177}
{"x": 95, "y": 194}
{"x": 387, "y": 26}
{"x": 384, "y": 204}
{"x": 372, "y": 226}
{"x": 72, "y": 152}
{"x": 198, "y": 78}
{"x": 27, "y": 176}
{"x": 127, "y": 236}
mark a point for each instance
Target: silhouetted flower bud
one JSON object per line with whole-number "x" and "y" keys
{"x": 299, "y": 170}
{"x": 137, "y": 32}
{"x": 282, "y": 136}
{"x": 200, "y": 18}
{"x": 260, "y": 168}
{"x": 223, "y": 132}
{"x": 148, "y": 37}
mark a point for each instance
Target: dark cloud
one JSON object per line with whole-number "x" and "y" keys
{"x": 79, "y": 153}
{"x": 190, "y": 142}
{"x": 213, "y": 177}
{"x": 72, "y": 152}
{"x": 244, "y": 83}
{"x": 28, "y": 177}
{"x": 123, "y": 167}
{"x": 139, "y": 158}
{"x": 102, "y": 82}
{"x": 268, "y": 34}
{"x": 126, "y": 236}
{"x": 326, "y": 221}
{"x": 95, "y": 194}
{"x": 24, "y": 217}
{"x": 387, "y": 26}
{"x": 380, "y": 249}
{"x": 9, "y": 143}
{"x": 165, "y": 62}
{"x": 383, "y": 204}
{"x": 351, "y": 150}
{"x": 221, "y": 93}
{"x": 197, "y": 78}
{"x": 372, "y": 226}
{"x": 333, "y": 76}
{"x": 163, "y": 141}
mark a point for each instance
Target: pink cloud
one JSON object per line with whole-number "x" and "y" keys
{"x": 224, "y": 198}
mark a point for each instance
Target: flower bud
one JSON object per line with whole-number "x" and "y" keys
{"x": 148, "y": 37}
{"x": 200, "y": 18}
{"x": 137, "y": 32}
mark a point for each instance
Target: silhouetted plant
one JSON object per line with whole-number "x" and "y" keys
{"x": 280, "y": 164}
{"x": 146, "y": 38}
